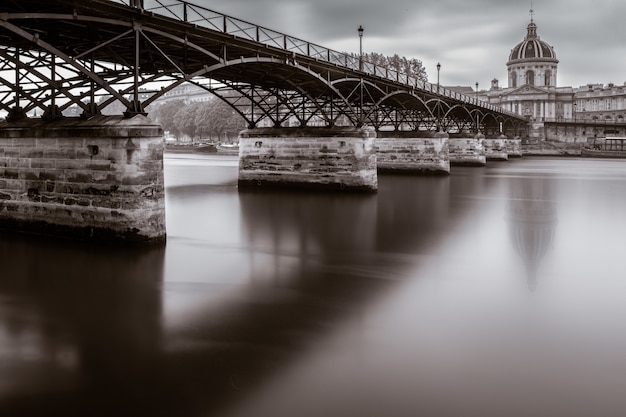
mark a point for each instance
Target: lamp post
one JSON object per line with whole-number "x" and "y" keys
{"x": 360, "y": 30}
{"x": 438, "y": 103}
{"x": 477, "y": 130}
{"x": 575, "y": 120}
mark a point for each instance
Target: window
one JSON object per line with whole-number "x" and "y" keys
{"x": 530, "y": 77}
{"x": 548, "y": 77}
{"x": 513, "y": 79}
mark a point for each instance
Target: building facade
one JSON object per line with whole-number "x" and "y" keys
{"x": 533, "y": 92}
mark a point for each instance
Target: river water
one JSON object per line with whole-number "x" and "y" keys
{"x": 496, "y": 291}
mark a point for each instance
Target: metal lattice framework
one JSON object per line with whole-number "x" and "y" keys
{"x": 55, "y": 54}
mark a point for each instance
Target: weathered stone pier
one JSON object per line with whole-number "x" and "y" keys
{"x": 98, "y": 180}
{"x": 407, "y": 153}
{"x": 468, "y": 151}
{"x": 335, "y": 158}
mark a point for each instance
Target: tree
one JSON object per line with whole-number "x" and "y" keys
{"x": 165, "y": 115}
{"x": 412, "y": 67}
{"x": 417, "y": 70}
{"x": 205, "y": 119}
{"x": 226, "y": 121}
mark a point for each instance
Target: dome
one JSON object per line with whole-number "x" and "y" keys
{"x": 532, "y": 48}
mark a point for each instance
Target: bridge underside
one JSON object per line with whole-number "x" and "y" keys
{"x": 56, "y": 54}
{"x": 314, "y": 114}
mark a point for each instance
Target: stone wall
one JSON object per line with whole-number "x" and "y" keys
{"x": 495, "y": 149}
{"x": 467, "y": 151}
{"x": 413, "y": 155}
{"x": 565, "y": 139}
{"x": 513, "y": 147}
{"x": 99, "y": 179}
{"x": 324, "y": 158}
{"x": 550, "y": 148}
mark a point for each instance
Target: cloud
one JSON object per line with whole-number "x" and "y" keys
{"x": 471, "y": 39}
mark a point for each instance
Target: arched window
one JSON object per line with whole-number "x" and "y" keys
{"x": 530, "y": 77}
{"x": 548, "y": 77}
{"x": 513, "y": 79}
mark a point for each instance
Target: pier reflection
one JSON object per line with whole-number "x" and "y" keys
{"x": 75, "y": 321}
{"x": 291, "y": 235}
{"x": 295, "y": 237}
{"x": 378, "y": 304}
{"x": 532, "y": 217}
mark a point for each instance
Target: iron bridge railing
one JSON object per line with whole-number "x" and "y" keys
{"x": 203, "y": 17}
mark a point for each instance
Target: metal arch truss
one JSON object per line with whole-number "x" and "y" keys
{"x": 42, "y": 77}
{"x": 98, "y": 56}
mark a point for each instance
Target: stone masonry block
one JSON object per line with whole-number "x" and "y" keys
{"x": 54, "y": 172}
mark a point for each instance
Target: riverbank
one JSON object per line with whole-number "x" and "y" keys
{"x": 548, "y": 148}
{"x": 201, "y": 149}
{"x": 529, "y": 148}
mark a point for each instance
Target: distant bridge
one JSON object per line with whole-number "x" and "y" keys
{"x": 56, "y": 54}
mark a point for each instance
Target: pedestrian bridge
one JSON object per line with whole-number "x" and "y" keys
{"x": 317, "y": 118}
{"x": 92, "y": 53}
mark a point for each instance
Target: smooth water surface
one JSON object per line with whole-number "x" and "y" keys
{"x": 496, "y": 291}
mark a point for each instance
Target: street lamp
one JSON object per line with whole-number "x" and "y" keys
{"x": 575, "y": 120}
{"x": 360, "y": 30}
{"x": 438, "y": 102}
{"x": 477, "y": 130}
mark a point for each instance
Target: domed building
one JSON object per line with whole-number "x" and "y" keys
{"x": 587, "y": 111}
{"x": 532, "y": 71}
{"x": 532, "y": 61}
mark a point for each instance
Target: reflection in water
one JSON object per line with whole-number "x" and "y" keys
{"x": 294, "y": 235}
{"x": 73, "y": 321}
{"x": 531, "y": 214}
{"x": 289, "y": 234}
{"x": 299, "y": 304}
{"x": 413, "y": 216}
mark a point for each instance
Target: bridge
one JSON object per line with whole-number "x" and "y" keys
{"x": 67, "y": 53}
{"x": 56, "y": 54}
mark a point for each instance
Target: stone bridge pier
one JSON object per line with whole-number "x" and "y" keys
{"x": 408, "y": 153}
{"x": 98, "y": 180}
{"x": 338, "y": 158}
{"x": 467, "y": 151}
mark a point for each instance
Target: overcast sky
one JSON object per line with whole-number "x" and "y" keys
{"x": 471, "y": 39}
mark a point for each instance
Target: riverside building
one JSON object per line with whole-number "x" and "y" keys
{"x": 533, "y": 91}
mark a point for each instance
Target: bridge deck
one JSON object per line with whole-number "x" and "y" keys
{"x": 184, "y": 42}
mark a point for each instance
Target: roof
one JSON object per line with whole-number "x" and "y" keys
{"x": 532, "y": 48}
